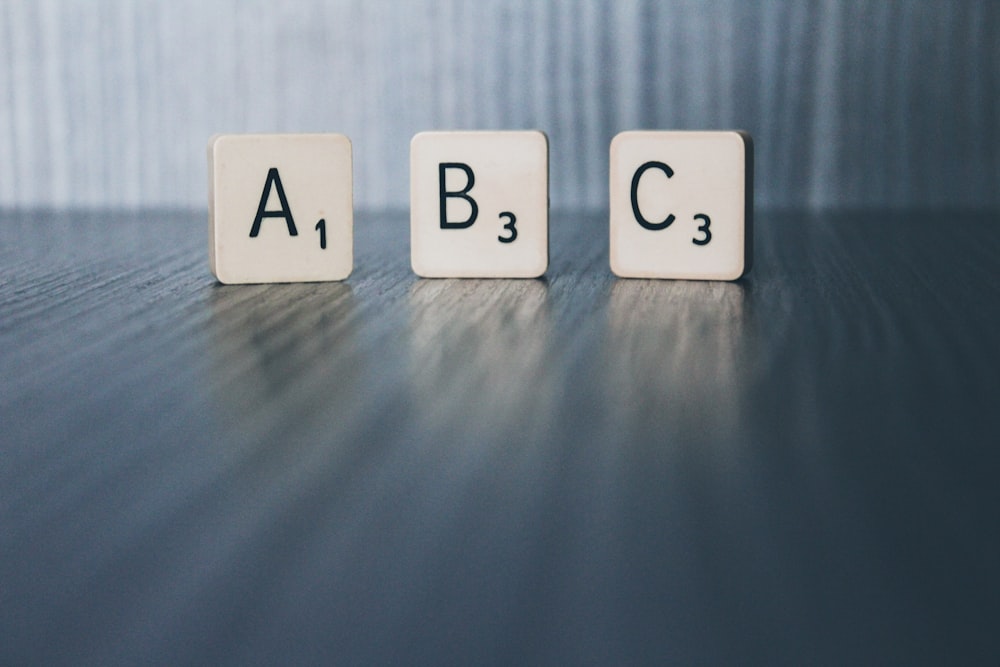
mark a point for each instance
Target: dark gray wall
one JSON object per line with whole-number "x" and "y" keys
{"x": 866, "y": 103}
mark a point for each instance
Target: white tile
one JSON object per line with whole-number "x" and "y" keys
{"x": 681, "y": 205}
{"x": 479, "y": 204}
{"x": 280, "y": 207}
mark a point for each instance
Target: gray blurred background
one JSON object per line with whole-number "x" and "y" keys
{"x": 870, "y": 103}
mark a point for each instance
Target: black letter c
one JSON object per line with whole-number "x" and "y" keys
{"x": 646, "y": 224}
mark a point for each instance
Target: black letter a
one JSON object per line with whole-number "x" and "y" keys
{"x": 285, "y": 212}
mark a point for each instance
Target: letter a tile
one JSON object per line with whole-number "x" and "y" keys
{"x": 280, "y": 207}
{"x": 479, "y": 204}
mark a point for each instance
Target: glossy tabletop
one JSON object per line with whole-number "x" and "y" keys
{"x": 797, "y": 468}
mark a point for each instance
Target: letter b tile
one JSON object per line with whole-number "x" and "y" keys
{"x": 681, "y": 205}
{"x": 479, "y": 204}
{"x": 280, "y": 207}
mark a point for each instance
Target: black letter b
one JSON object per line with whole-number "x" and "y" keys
{"x": 461, "y": 194}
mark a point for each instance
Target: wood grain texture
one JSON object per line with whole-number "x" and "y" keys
{"x": 862, "y": 103}
{"x": 796, "y": 468}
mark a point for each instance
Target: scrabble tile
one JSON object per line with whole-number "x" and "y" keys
{"x": 479, "y": 204}
{"x": 280, "y": 207}
{"x": 681, "y": 205}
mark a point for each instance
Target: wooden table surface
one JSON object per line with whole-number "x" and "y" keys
{"x": 799, "y": 468}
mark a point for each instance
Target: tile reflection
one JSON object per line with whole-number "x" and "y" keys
{"x": 679, "y": 357}
{"x": 280, "y": 351}
{"x": 477, "y": 349}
